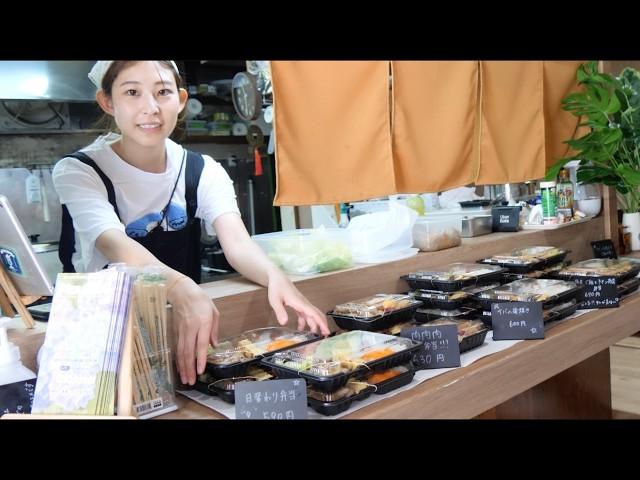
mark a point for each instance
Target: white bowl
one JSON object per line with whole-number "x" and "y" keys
{"x": 590, "y": 206}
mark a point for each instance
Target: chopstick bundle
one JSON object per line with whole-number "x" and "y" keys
{"x": 152, "y": 361}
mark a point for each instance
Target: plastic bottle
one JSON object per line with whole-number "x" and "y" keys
{"x": 548, "y": 196}
{"x": 17, "y": 382}
{"x": 344, "y": 217}
{"x": 564, "y": 194}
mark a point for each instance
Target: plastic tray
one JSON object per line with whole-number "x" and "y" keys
{"x": 443, "y": 300}
{"x": 397, "y": 328}
{"x": 334, "y": 407}
{"x": 475, "y": 203}
{"x": 233, "y": 356}
{"x": 328, "y": 364}
{"x": 404, "y": 377}
{"x": 454, "y": 276}
{"x": 377, "y": 323}
{"x": 308, "y": 251}
{"x": 468, "y": 341}
{"x": 548, "y": 272}
{"x": 528, "y": 259}
{"x": 628, "y": 286}
{"x": 601, "y": 267}
{"x": 529, "y": 290}
{"x": 225, "y": 387}
{"x": 423, "y": 315}
{"x": 375, "y": 313}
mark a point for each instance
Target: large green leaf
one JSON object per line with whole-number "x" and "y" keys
{"x": 630, "y": 175}
{"x": 614, "y": 135}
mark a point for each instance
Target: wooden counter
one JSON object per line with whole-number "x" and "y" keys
{"x": 566, "y": 375}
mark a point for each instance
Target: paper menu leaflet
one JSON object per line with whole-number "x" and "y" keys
{"x": 83, "y": 342}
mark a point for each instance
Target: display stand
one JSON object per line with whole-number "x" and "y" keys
{"x": 12, "y": 302}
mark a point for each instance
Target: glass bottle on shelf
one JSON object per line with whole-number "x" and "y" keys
{"x": 564, "y": 193}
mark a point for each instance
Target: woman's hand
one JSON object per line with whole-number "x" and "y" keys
{"x": 195, "y": 317}
{"x": 282, "y": 293}
{"x": 195, "y": 323}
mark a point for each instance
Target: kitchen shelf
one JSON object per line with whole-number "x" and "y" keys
{"x": 212, "y": 100}
{"x": 230, "y": 139}
{"x": 227, "y": 139}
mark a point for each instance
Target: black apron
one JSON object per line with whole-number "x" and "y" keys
{"x": 179, "y": 250}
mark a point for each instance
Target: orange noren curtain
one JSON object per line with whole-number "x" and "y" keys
{"x": 434, "y": 105}
{"x": 512, "y": 130}
{"x": 333, "y": 140}
{"x": 342, "y": 135}
{"x": 560, "y": 81}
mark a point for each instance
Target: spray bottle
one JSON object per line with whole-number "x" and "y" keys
{"x": 17, "y": 382}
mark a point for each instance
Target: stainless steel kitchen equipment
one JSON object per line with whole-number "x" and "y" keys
{"x": 476, "y": 226}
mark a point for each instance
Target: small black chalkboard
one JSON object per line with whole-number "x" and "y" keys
{"x": 17, "y": 397}
{"x": 598, "y": 292}
{"x": 441, "y": 348}
{"x": 272, "y": 400}
{"x": 604, "y": 249}
{"x": 517, "y": 321}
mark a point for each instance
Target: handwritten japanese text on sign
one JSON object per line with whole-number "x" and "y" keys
{"x": 440, "y": 346}
{"x": 517, "y": 320}
{"x": 272, "y": 400}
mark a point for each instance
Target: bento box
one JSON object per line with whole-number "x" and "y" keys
{"x": 375, "y": 312}
{"x": 328, "y": 364}
{"x": 620, "y": 269}
{"x": 391, "y": 379}
{"x": 454, "y": 276}
{"x": 232, "y": 356}
{"x": 527, "y": 259}
{"x": 340, "y": 400}
{"x": 547, "y": 291}
{"x": 423, "y": 315}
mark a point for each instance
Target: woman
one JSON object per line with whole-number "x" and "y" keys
{"x": 137, "y": 197}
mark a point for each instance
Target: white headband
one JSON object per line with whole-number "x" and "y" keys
{"x": 100, "y": 68}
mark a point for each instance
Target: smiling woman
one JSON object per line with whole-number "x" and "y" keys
{"x": 139, "y": 198}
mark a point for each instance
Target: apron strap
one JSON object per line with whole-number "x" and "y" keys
{"x": 67, "y": 245}
{"x": 195, "y": 164}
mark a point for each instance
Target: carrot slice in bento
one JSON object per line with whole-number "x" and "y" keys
{"x": 375, "y": 354}
{"x": 382, "y": 376}
{"x": 278, "y": 344}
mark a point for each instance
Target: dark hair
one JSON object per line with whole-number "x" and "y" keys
{"x": 106, "y": 122}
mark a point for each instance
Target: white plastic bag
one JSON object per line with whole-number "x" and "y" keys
{"x": 382, "y": 235}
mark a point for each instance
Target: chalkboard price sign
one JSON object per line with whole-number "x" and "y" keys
{"x": 604, "y": 249}
{"x": 17, "y": 397}
{"x": 440, "y": 346}
{"x": 272, "y": 400}
{"x": 517, "y": 321}
{"x": 599, "y": 292}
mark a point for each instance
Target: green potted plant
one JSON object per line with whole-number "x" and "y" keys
{"x": 610, "y": 152}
